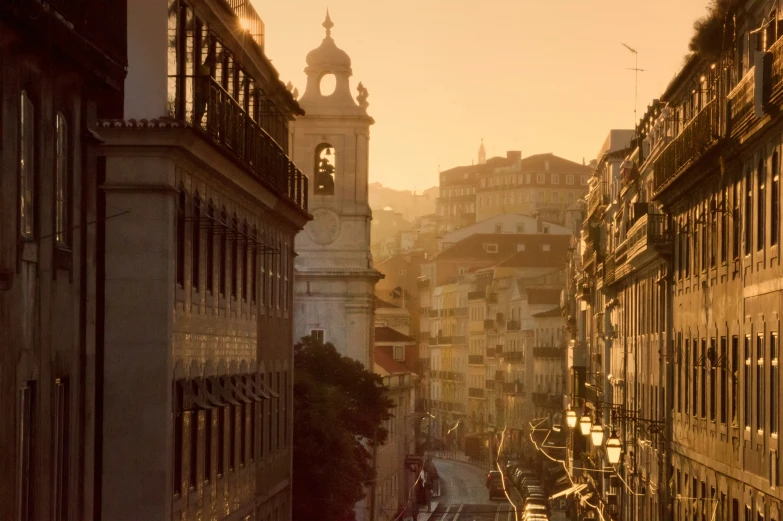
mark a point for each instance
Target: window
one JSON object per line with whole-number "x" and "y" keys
{"x": 687, "y": 359}
{"x": 569, "y": 179}
{"x": 26, "y": 167}
{"x": 735, "y": 244}
{"x": 748, "y": 211}
{"x": 491, "y": 248}
{"x": 695, "y": 378}
{"x": 317, "y": 334}
{"x": 555, "y": 179}
{"x": 545, "y": 247}
{"x": 583, "y": 180}
{"x": 399, "y": 352}
{"x": 61, "y": 452}
{"x": 179, "y": 426}
{"x": 181, "y": 201}
{"x": 678, "y": 371}
{"x": 498, "y": 228}
{"x": 223, "y": 253}
{"x": 196, "y": 240}
{"x": 540, "y": 178}
{"x": 774, "y": 384}
{"x": 26, "y": 456}
{"x": 221, "y": 441}
{"x": 62, "y": 189}
{"x": 774, "y": 207}
{"x": 723, "y": 371}
{"x": 324, "y": 166}
{"x": 245, "y": 250}
{"x": 734, "y": 379}
{"x": 193, "y": 447}
{"x": 234, "y": 257}
{"x": 761, "y": 178}
{"x": 760, "y": 389}
{"x": 724, "y": 226}
{"x": 713, "y": 383}
{"x": 211, "y": 248}
{"x": 520, "y": 227}
{"x": 703, "y": 364}
{"x": 207, "y": 444}
{"x": 254, "y": 265}
{"x": 748, "y": 382}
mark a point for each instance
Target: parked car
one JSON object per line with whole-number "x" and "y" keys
{"x": 495, "y": 482}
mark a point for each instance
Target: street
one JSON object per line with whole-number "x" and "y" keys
{"x": 464, "y": 495}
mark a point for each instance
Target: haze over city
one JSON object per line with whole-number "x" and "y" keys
{"x": 524, "y": 75}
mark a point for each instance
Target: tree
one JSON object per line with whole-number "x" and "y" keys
{"x": 339, "y": 410}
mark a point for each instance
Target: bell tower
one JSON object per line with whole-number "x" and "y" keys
{"x": 334, "y": 278}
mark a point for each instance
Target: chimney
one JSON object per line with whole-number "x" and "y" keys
{"x": 514, "y": 155}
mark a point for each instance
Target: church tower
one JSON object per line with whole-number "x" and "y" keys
{"x": 482, "y": 155}
{"x": 334, "y": 278}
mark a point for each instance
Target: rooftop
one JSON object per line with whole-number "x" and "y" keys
{"x": 554, "y": 312}
{"x": 543, "y": 296}
{"x": 387, "y": 335}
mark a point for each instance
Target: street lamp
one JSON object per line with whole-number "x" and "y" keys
{"x": 613, "y": 448}
{"x": 585, "y": 423}
{"x": 571, "y": 418}
{"x": 597, "y": 434}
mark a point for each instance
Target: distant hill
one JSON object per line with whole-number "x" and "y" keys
{"x": 404, "y": 202}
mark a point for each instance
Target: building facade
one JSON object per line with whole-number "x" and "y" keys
{"x": 335, "y": 277}
{"x": 530, "y": 185}
{"x": 199, "y": 206}
{"x": 62, "y": 65}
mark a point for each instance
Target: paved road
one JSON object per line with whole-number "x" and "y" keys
{"x": 464, "y": 495}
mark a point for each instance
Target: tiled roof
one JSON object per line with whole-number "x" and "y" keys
{"x": 554, "y": 312}
{"x": 537, "y": 163}
{"x": 386, "y": 334}
{"x": 386, "y": 361}
{"x": 535, "y": 257}
{"x": 543, "y": 296}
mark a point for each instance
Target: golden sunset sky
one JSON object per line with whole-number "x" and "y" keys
{"x": 529, "y": 75}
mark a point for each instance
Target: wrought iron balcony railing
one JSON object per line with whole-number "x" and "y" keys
{"x": 513, "y": 357}
{"x": 698, "y": 136}
{"x": 212, "y": 110}
{"x": 475, "y": 359}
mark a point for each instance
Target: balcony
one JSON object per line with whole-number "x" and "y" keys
{"x": 598, "y": 198}
{"x": 227, "y": 124}
{"x": 434, "y": 313}
{"x": 492, "y": 298}
{"x": 489, "y": 324}
{"x": 513, "y": 325}
{"x": 489, "y": 385}
{"x": 475, "y": 360}
{"x": 609, "y": 270}
{"x": 651, "y": 230}
{"x": 695, "y": 140}
{"x": 554, "y": 401}
{"x": 514, "y": 357}
{"x": 498, "y": 349}
{"x": 500, "y": 376}
{"x": 501, "y": 318}
{"x": 491, "y": 352}
{"x": 460, "y": 312}
{"x": 475, "y": 392}
{"x": 513, "y": 388}
{"x": 549, "y": 352}
{"x": 423, "y": 283}
{"x": 476, "y": 295}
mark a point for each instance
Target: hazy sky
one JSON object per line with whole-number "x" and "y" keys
{"x": 531, "y": 75}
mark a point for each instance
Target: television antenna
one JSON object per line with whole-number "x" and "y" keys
{"x": 636, "y": 70}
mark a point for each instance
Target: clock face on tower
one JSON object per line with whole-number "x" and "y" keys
{"x": 325, "y": 226}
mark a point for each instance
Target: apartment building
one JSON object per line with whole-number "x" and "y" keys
{"x": 536, "y": 183}
{"x": 199, "y": 206}
{"x": 62, "y": 65}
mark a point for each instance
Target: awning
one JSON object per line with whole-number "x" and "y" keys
{"x": 258, "y": 388}
{"x": 191, "y": 401}
{"x": 570, "y": 490}
{"x": 268, "y": 389}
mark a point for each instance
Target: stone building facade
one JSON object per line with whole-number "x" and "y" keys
{"x": 61, "y": 66}
{"x": 198, "y": 209}
{"x": 335, "y": 276}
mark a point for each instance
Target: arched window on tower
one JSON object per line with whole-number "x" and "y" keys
{"x": 324, "y": 169}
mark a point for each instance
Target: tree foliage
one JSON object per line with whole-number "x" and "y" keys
{"x": 714, "y": 32}
{"x": 339, "y": 410}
